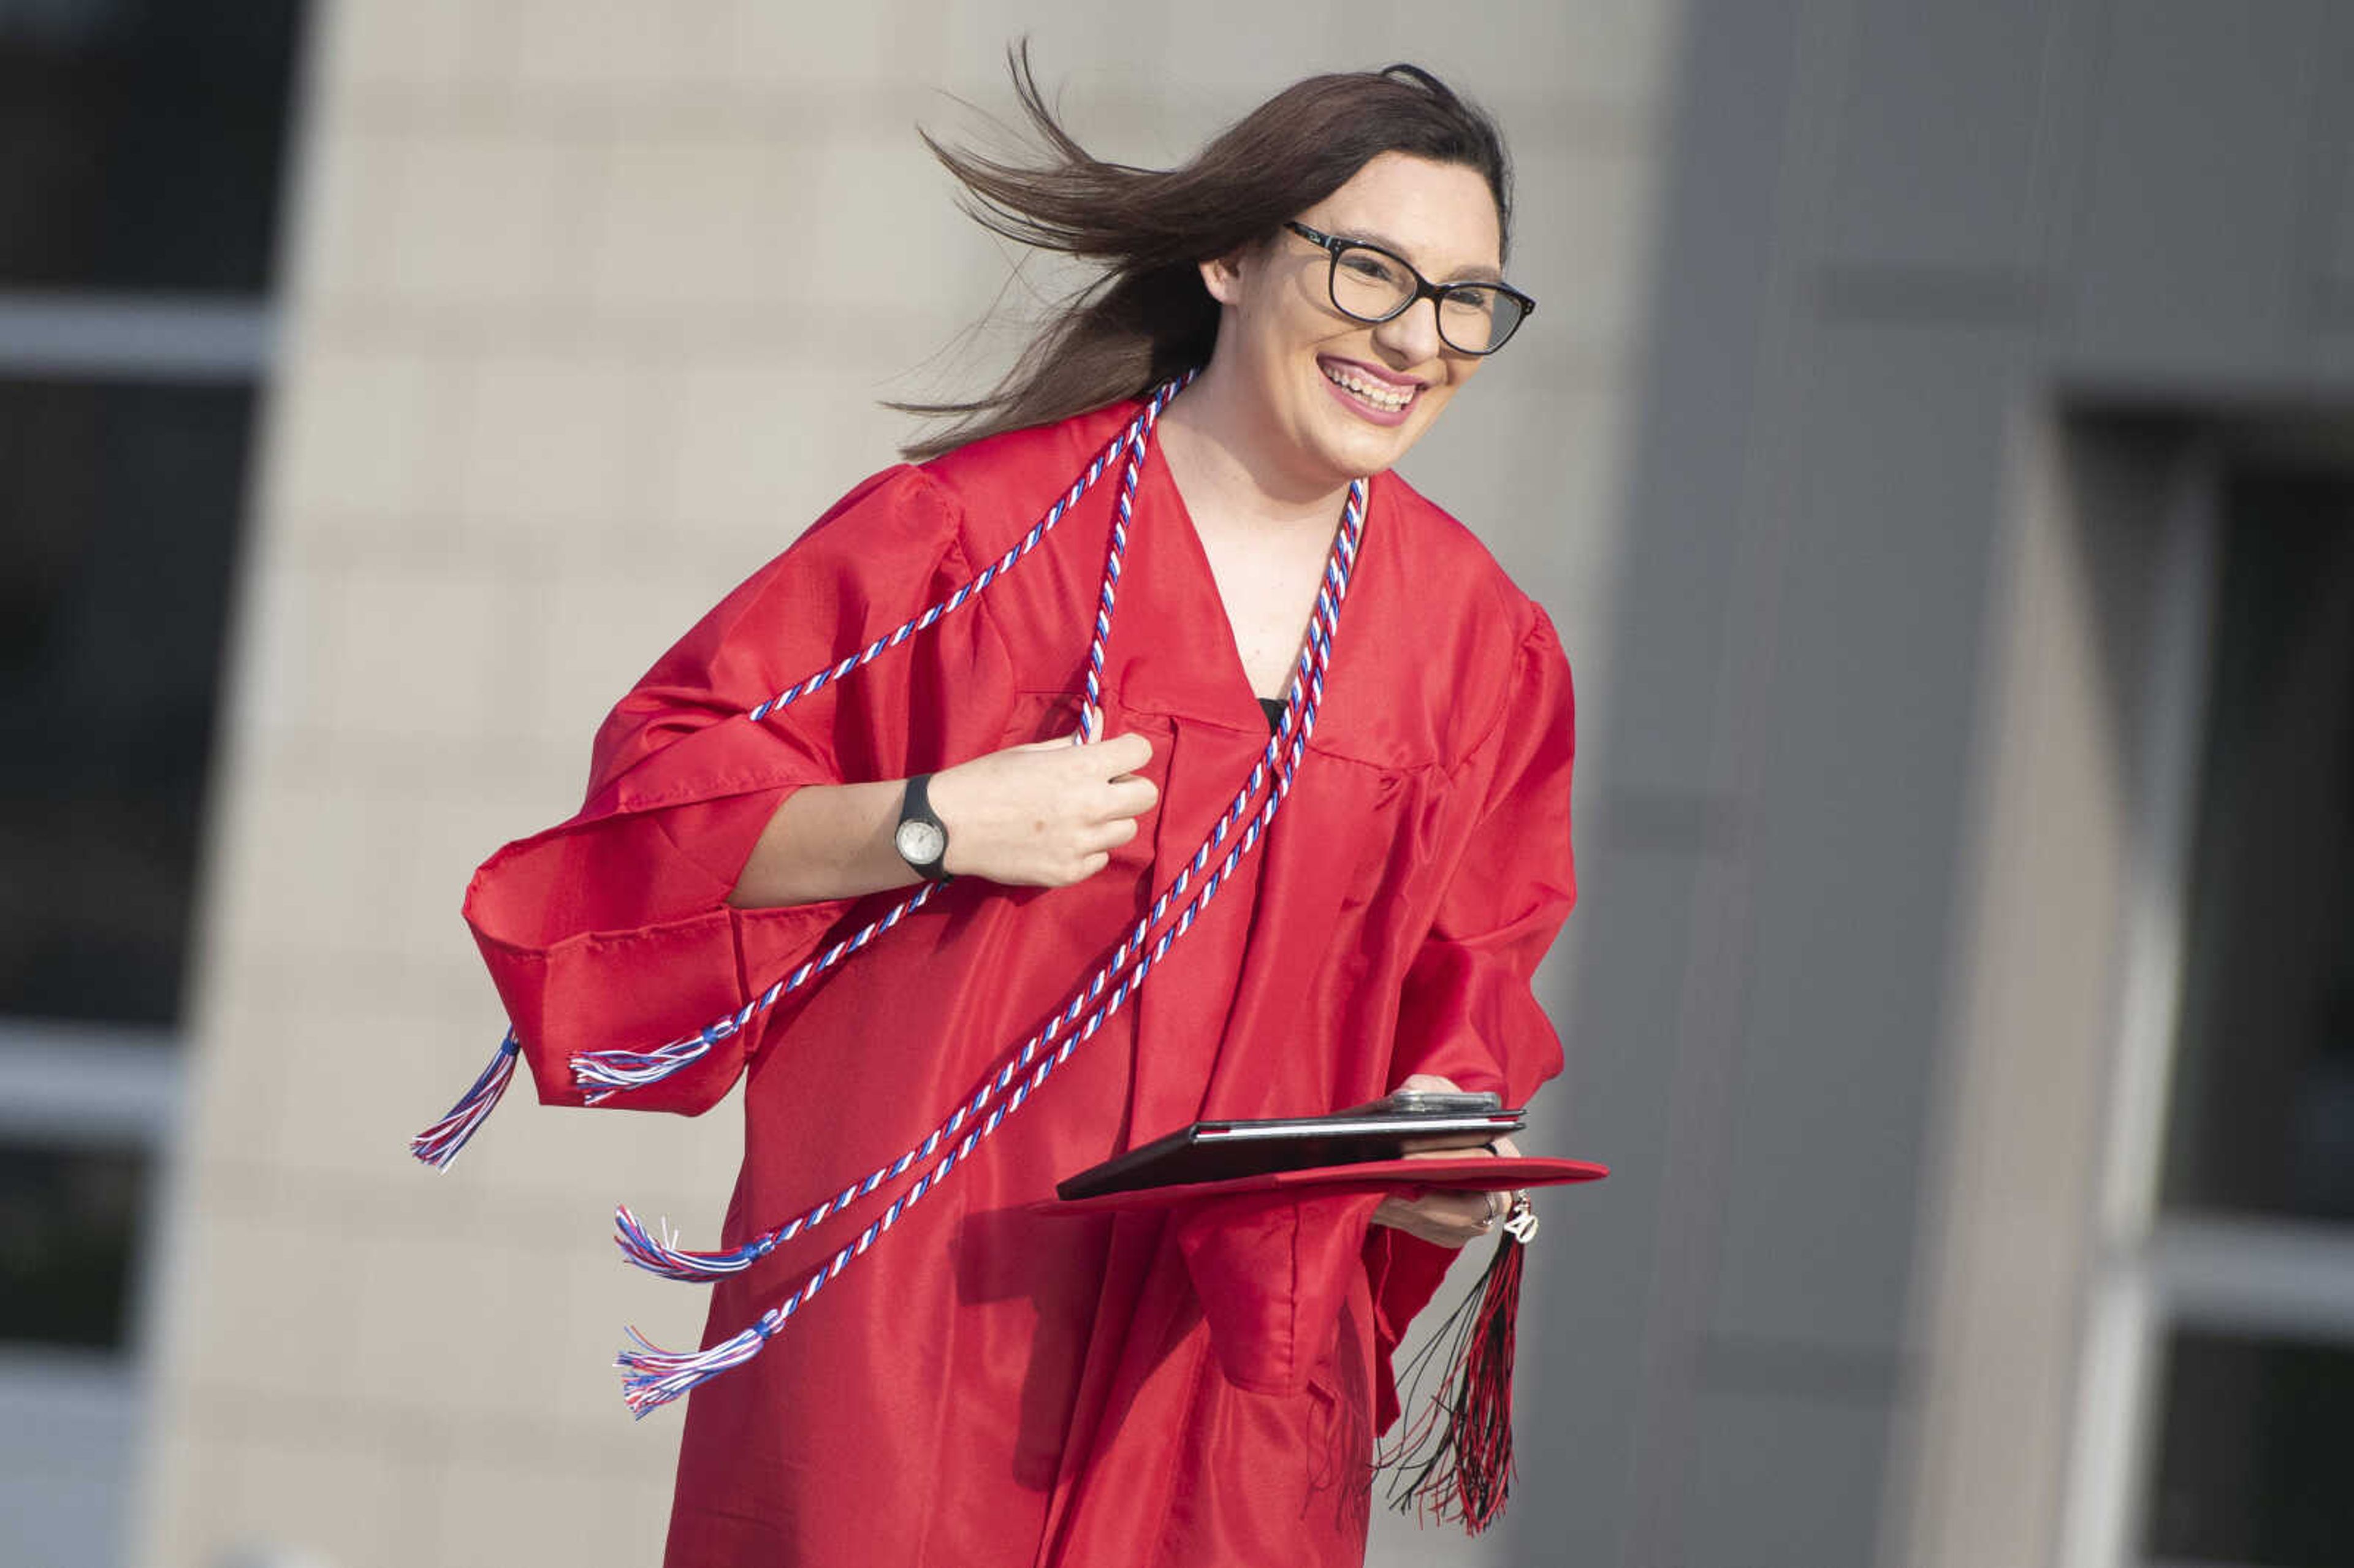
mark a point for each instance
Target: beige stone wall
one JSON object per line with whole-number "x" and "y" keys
{"x": 590, "y": 303}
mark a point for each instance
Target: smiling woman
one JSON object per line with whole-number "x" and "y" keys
{"x": 1195, "y": 1385}
{"x": 1320, "y": 372}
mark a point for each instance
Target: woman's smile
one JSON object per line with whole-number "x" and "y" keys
{"x": 1370, "y": 393}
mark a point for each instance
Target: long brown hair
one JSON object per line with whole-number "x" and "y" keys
{"x": 1146, "y": 316}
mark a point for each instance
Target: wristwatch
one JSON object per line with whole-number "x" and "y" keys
{"x": 921, "y": 838}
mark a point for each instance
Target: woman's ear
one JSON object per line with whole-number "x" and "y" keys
{"x": 1223, "y": 276}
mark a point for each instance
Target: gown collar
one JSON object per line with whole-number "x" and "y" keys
{"x": 1197, "y": 672}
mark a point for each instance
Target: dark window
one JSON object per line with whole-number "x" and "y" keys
{"x": 69, "y": 1222}
{"x": 144, "y": 142}
{"x": 2262, "y": 1104}
{"x": 2254, "y": 1457}
{"x": 121, "y": 505}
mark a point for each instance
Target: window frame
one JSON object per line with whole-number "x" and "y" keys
{"x": 2153, "y": 1271}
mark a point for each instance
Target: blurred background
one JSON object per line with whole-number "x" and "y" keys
{"x": 1937, "y": 447}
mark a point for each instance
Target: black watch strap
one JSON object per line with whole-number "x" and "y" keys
{"x": 921, "y": 838}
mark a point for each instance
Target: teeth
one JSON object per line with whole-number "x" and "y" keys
{"x": 1382, "y": 398}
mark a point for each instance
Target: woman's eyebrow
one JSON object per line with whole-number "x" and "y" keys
{"x": 1473, "y": 274}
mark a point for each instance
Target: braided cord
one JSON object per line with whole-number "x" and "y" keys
{"x": 1133, "y": 436}
{"x": 653, "y": 1377}
{"x": 603, "y": 1073}
{"x": 606, "y": 1072}
{"x": 1278, "y": 759}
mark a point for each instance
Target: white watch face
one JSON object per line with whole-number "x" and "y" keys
{"x": 920, "y": 843}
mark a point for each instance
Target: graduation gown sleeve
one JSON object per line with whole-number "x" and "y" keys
{"x": 1466, "y": 1009}
{"x": 612, "y": 930}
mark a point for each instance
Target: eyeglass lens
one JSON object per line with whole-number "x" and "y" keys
{"x": 1373, "y": 286}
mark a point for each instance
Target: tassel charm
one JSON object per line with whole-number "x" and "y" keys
{"x": 440, "y": 1144}
{"x": 1522, "y": 1223}
{"x": 1456, "y": 1461}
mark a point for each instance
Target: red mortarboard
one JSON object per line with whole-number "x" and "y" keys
{"x": 1467, "y": 1172}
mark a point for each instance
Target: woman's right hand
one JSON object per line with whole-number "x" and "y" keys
{"x": 1044, "y": 814}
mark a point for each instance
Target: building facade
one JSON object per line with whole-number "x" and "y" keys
{"x": 1936, "y": 445}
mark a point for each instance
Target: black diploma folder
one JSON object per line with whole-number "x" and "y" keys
{"x": 1229, "y": 1150}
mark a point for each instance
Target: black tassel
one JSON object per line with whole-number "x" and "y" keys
{"x": 1455, "y": 1462}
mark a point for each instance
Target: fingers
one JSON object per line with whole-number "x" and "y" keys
{"x": 1113, "y": 759}
{"x": 1126, "y": 796}
{"x": 1119, "y": 753}
{"x": 1110, "y": 835}
{"x": 1113, "y": 754}
{"x": 1131, "y": 797}
{"x": 1442, "y": 1218}
{"x": 1045, "y": 813}
{"x": 1462, "y": 1210}
{"x": 1446, "y": 1218}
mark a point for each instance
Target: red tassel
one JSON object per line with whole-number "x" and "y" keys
{"x": 1456, "y": 1460}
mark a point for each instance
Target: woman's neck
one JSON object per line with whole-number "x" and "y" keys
{"x": 1221, "y": 459}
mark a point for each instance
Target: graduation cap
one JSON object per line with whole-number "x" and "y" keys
{"x": 1454, "y": 1459}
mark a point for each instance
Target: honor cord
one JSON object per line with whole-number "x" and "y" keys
{"x": 607, "y": 1073}
{"x": 653, "y": 1377}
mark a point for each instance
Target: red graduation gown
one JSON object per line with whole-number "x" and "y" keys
{"x": 989, "y": 1385}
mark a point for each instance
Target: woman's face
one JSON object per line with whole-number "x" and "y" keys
{"x": 1338, "y": 397}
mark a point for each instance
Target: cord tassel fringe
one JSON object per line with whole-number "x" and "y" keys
{"x": 1456, "y": 1461}
{"x": 652, "y": 1377}
{"x": 440, "y": 1144}
{"x": 662, "y": 1255}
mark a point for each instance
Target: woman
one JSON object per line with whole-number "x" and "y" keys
{"x": 985, "y": 1382}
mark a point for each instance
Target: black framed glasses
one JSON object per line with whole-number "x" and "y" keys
{"x": 1371, "y": 284}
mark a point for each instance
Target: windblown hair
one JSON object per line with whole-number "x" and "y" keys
{"x": 1146, "y": 316}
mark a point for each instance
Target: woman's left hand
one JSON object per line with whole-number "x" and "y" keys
{"x": 1447, "y": 1218}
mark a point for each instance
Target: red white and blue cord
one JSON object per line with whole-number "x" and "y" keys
{"x": 606, "y": 1072}
{"x": 1122, "y": 973}
{"x": 653, "y": 1377}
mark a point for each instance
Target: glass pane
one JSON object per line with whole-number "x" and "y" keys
{"x": 144, "y": 142}
{"x": 2263, "y": 1113}
{"x": 2254, "y": 1454}
{"x": 68, "y": 1230}
{"x": 122, "y": 506}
